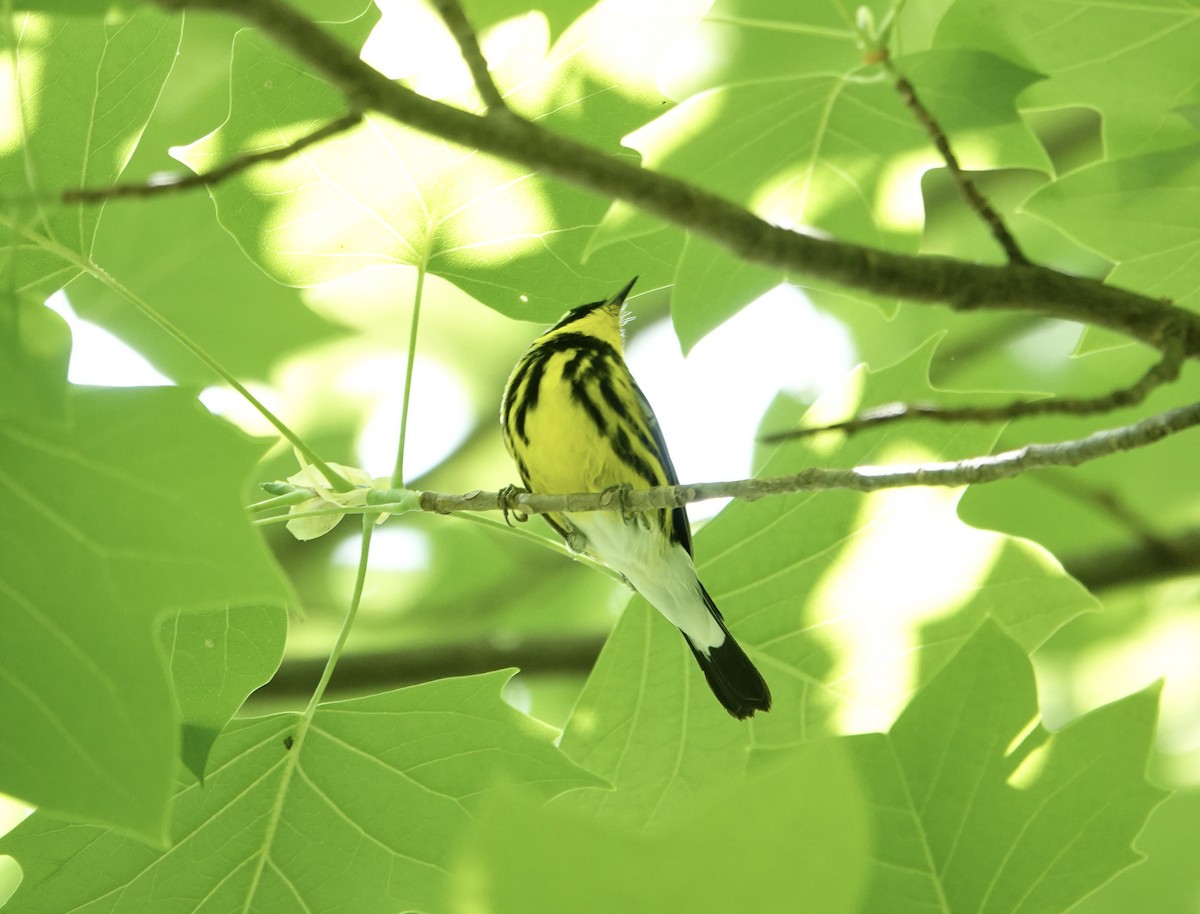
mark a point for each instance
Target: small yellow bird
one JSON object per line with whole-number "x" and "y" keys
{"x": 574, "y": 420}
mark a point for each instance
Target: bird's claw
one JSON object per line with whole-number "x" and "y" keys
{"x": 621, "y": 493}
{"x": 509, "y": 505}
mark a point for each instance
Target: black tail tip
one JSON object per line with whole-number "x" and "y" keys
{"x": 735, "y": 681}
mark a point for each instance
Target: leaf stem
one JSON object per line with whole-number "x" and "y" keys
{"x": 335, "y": 479}
{"x": 364, "y": 553}
{"x": 418, "y": 294}
{"x": 306, "y": 719}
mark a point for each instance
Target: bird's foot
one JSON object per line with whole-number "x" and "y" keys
{"x": 509, "y": 505}
{"x": 576, "y": 541}
{"x": 621, "y": 494}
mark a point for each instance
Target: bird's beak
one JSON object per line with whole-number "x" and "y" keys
{"x": 619, "y": 298}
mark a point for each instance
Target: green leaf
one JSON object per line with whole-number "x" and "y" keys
{"x": 1123, "y": 59}
{"x": 379, "y": 788}
{"x": 385, "y": 195}
{"x": 77, "y": 7}
{"x": 847, "y": 603}
{"x": 981, "y": 809}
{"x": 793, "y": 837}
{"x": 217, "y": 658}
{"x": 128, "y": 514}
{"x": 1071, "y": 512}
{"x": 196, "y": 277}
{"x": 834, "y": 151}
{"x": 35, "y": 347}
{"x": 1160, "y": 195}
{"x": 709, "y": 280}
{"x": 194, "y": 274}
{"x": 95, "y": 84}
{"x": 758, "y": 40}
{"x": 1168, "y": 877}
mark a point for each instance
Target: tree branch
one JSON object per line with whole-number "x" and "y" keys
{"x": 372, "y": 670}
{"x": 1163, "y": 371}
{"x": 923, "y": 278}
{"x": 459, "y": 26}
{"x": 966, "y": 186}
{"x": 970, "y": 471}
{"x": 1137, "y": 564}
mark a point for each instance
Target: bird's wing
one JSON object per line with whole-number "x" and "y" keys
{"x": 679, "y": 520}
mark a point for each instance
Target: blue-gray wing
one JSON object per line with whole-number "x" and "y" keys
{"x": 681, "y": 532}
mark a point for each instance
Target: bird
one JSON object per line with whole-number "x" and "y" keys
{"x": 574, "y": 420}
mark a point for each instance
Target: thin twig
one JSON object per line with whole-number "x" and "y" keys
{"x": 918, "y": 278}
{"x": 975, "y": 199}
{"x": 460, "y": 27}
{"x": 954, "y": 473}
{"x": 1162, "y": 372}
{"x": 180, "y": 182}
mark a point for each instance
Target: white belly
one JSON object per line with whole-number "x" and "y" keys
{"x": 661, "y": 571}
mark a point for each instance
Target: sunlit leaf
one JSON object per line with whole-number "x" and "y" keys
{"x": 385, "y": 194}
{"x": 172, "y": 253}
{"x": 1123, "y": 59}
{"x": 832, "y": 151}
{"x": 76, "y": 95}
{"x": 979, "y": 808}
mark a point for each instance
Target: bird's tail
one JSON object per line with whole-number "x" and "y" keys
{"x": 735, "y": 681}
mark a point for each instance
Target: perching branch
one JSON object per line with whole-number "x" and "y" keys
{"x": 459, "y": 26}
{"x": 966, "y": 186}
{"x": 970, "y": 471}
{"x": 1162, "y": 372}
{"x": 922, "y": 278}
